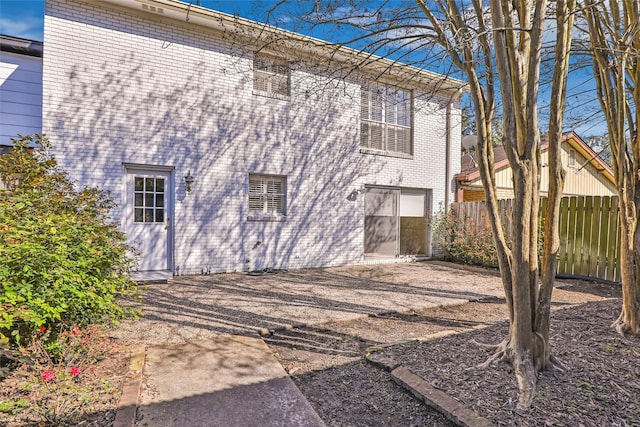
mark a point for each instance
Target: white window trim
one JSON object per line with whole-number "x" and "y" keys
{"x": 386, "y": 125}
{"x": 269, "y": 92}
{"x": 265, "y": 214}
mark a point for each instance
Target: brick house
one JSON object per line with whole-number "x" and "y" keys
{"x": 231, "y": 146}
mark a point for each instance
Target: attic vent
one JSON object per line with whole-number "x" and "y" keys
{"x": 152, "y": 8}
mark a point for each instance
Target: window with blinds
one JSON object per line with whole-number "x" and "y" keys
{"x": 385, "y": 119}
{"x": 267, "y": 194}
{"x": 271, "y": 75}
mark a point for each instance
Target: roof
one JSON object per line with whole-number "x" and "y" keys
{"x": 20, "y": 46}
{"x": 470, "y": 171}
{"x": 197, "y": 15}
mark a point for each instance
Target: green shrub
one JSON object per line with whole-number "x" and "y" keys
{"x": 62, "y": 261}
{"x": 460, "y": 241}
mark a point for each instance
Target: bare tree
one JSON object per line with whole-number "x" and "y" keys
{"x": 614, "y": 44}
{"x": 496, "y": 45}
{"x": 514, "y": 34}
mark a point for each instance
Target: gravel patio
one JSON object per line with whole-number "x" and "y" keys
{"x": 195, "y": 307}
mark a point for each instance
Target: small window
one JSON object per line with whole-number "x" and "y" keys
{"x": 271, "y": 76}
{"x": 267, "y": 194}
{"x": 385, "y": 115}
{"x": 572, "y": 157}
{"x": 148, "y": 199}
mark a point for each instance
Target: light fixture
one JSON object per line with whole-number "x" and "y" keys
{"x": 188, "y": 180}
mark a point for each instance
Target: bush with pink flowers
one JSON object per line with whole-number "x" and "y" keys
{"x": 57, "y": 378}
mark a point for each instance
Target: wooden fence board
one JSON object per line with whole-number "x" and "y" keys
{"x": 564, "y": 233}
{"x": 589, "y": 232}
{"x": 585, "y": 258}
{"x": 594, "y": 238}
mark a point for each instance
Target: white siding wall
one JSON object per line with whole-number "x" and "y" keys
{"x": 20, "y": 96}
{"x": 122, "y": 88}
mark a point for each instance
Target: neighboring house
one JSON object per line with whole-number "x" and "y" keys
{"x": 20, "y": 89}
{"x": 587, "y": 174}
{"x": 228, "y": 155}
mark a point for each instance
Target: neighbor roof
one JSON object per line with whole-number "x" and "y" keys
{"x": 470, "y": 171}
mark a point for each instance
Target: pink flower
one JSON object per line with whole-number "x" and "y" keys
{"x": 47, "y": 375}
{"x": 92, "y": 367}
{"x": 75, "y": 331}
{"x": 75, "y": 371}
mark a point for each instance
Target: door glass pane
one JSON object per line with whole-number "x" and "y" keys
{"x": 148, "y": 200}
{"x": 159, "y": 215}
{"x": 139, "y": 184}
{"x": 159, "y": 185}
{"x": 138, "y": 217}
{"x": 148, "y": 184}
{"x": 414, "y": 223}
{"x": 138, "y": 199}
{"x": 148, "y": 215}
{"x": 160, "y": 200}
{"x": 381, "y": 222}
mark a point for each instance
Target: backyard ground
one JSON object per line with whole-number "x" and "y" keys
{"x": 326, "y": 360}
{"x": 601, "y": 387}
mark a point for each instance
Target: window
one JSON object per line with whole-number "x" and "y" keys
{"x": 270, "y": 75}
{"x": 148, "y": 199}
{"x": 385, "y": 119}
{"x": 267, "y": 194}
{"x": 572, "y": 157}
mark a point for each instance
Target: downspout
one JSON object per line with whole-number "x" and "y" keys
{"x": 447, "y": 169}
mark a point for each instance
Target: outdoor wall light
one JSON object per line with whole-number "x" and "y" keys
{"x": 355, "y": 193}
{"x": 188, "y": 180}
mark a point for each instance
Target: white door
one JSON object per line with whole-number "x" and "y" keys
{"x": 148, "y": 222}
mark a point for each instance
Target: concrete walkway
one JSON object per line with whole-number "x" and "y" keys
{"x": 227, "y": 381}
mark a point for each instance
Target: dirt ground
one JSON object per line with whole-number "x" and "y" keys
{"x": 601, "y": 388}
{"x": 326, "y": 361}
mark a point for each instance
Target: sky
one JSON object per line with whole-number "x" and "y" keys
{"x": 25, "y": 18}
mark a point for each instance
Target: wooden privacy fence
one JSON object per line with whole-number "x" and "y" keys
{"x": 589, "y": 232}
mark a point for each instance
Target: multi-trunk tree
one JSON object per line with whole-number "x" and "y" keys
{"x": 613, "y": 29}
{"x": 513, "y": 34}
{"x": 498, "y": 46}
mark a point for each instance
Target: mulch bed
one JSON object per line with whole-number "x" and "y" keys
{"x": 601, "y": 388}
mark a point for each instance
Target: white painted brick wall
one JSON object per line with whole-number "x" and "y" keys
{"x": 122, "y": 88}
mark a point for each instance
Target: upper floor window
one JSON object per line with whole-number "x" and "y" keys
{"x": 271, "y": 76}
{"x": 385, "y": 119}
{"x": 572, "y": 157}
{"x": 267, "y": 194}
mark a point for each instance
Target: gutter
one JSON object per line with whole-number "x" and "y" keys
{"x": 20, "y": 46}
{"x": 447, "y": 169}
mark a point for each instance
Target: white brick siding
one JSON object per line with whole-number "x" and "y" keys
{"x": 123, "y": 87}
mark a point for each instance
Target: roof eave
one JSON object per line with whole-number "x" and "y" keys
{"x": 376, "y": 65}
